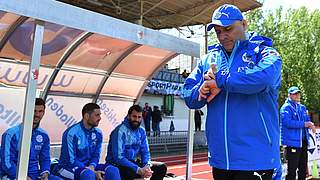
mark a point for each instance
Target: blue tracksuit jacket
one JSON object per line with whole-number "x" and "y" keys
{"x": 242, "y": 125}
{"x": 126, "y": 144}
{"x": 293, "y": 117}
{"x": 39, "y": 160}
{"x": 80, "y": 147}
{"x": 277, "y": 173}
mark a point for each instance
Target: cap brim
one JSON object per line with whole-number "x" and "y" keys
{"x": 295, "y": 91}
{"x": 223, "y": 23}
{"x": 210, "y": 26}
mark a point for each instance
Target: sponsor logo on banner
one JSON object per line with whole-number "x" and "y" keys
{"x": 9, "y": 75}
{"x": 58, "y": 108}
{"x": 314, "y": 149}
{"x": 314, "y": 146}
{"x": 9, "y": 115}
{"x": 61, "y": 113}
{"x": 164, "y": 87}
{"x": 108, "y": 112}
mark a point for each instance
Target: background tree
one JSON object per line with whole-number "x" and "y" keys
{"x": 296, "y": 35}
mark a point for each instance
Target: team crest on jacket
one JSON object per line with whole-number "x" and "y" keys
{"x": 246, "y": 58}
{"x": 39, "y": 138}
{"x": 93, "y": 136}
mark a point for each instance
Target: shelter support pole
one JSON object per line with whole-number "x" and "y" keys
{"x": 28, "y": 112}
{"x": 190, "y": 136}
{"x": 206, "y": 39}
{"x": 190, "y": 144}
{"x": 141, "y": 13}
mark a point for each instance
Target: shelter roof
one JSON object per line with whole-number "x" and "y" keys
{"x": 160, "y": 14}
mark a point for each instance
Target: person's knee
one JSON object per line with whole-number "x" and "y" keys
{"x": 160, "y": 169}
{"x": 52, "y": 177}
{"x": 163, "y": 168}
{"x": 127, "y": 173}
{"x": 87, "y": 174}
{"x": 112, "y": 172}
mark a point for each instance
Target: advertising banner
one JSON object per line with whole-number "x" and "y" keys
{"x": 164, "y": 87}
{"x": 314, "y": 150}
{"x": 61, "y": 112}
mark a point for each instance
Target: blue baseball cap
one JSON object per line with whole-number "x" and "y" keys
{"x": 225, "y": 15}
{"x": 293, "y": 90}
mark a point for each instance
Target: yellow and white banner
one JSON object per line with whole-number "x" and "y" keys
{"x": 314, "y": 150}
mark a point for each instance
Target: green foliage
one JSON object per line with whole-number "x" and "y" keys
{"x": 296, "y": 35}
{"x": 212, "y": 38}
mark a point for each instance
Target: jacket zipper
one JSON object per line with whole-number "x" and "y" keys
{"x": 296, "y": 110}
{"x": 225, "y": 129}
{"x": 226, "y": 104}
{"x": 301, "y": 129}
{"x": 265, "y": 128}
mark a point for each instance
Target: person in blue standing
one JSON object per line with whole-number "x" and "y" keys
{"x": 39, "y": 158}
{"x": 128, "y": 149}
{"x": 295, "y": 125}
{"x": 81, "y": 149}
{"x": 238, "y": 80}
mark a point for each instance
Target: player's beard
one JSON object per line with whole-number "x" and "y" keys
{"x": 36, "y": 124}
{"x": 134, "y": 124}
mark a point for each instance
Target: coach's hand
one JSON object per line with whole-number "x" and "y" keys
{"x": 209, "y": 85}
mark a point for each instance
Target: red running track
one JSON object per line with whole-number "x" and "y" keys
{"x": 177, "y": 165}
{"x": 200, "y": 171}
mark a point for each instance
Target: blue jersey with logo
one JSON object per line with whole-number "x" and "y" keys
{"x": 242, "y": 125}
{"x": 81, "y": 147}
{"x": 293, "y": 116}
{"x": 126, "y": 144}
{"x": 39, "y": 159}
